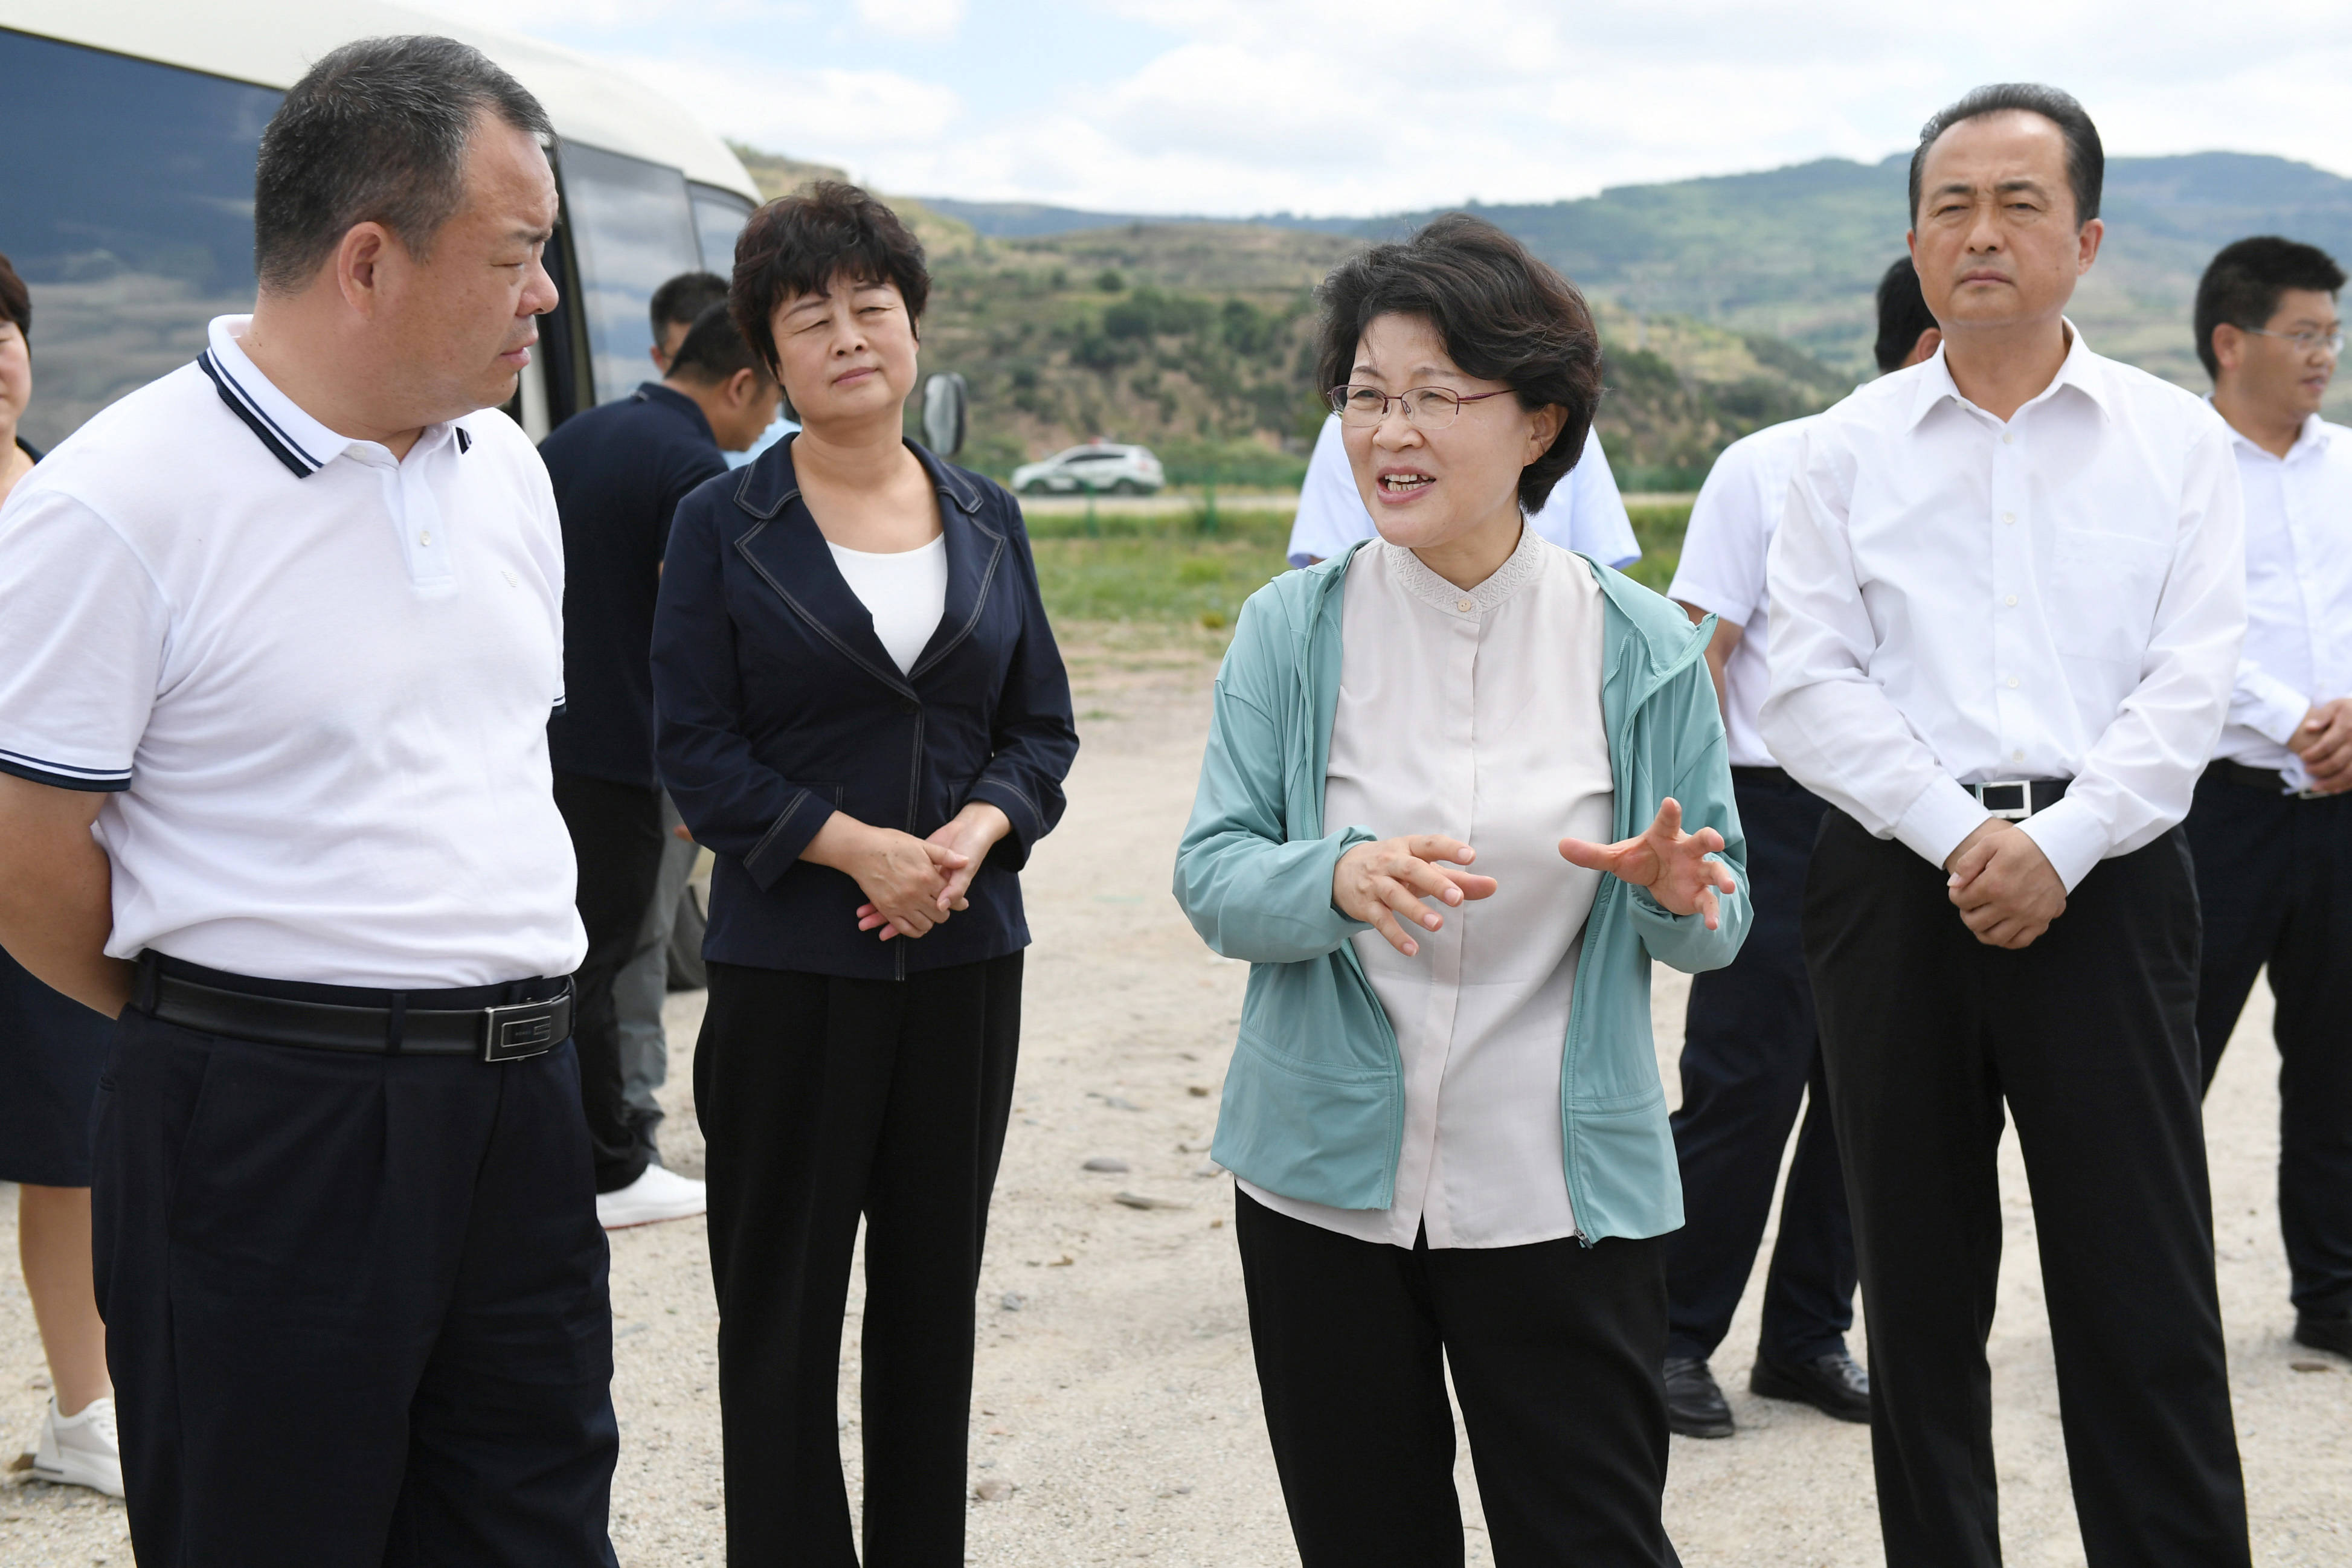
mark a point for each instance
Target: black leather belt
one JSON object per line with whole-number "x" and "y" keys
{"x": 2014, "y": 800}
{"x": 502, "y": 1031}
{"x": 1759, "y": 776}
{"x": 2265, "y": 780}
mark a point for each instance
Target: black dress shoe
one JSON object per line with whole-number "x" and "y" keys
{"x": 1832, "y": 1384}
{"x": 2325, "y": 1333}
{"x": 1694, "y": 1403}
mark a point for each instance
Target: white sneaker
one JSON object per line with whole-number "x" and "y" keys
{"x": 81, "y": 1451}
{"x": 657, "y": 1195}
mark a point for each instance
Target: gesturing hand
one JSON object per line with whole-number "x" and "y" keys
{"x": 1670, "y": 863}
{"x": 2006, "y": 888}
{"x": 2323, "y": 741}
{"x": 1377, "y": 882}
{"x": 971, "y": 833}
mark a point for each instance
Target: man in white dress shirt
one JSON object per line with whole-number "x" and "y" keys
{"x": 1584, "y": 514}
{"x": 2271, "y": 828}
{"x": 278, "y": 637}
{"x": 1751, "y": 1056}
{"x": 2008, "y": 597}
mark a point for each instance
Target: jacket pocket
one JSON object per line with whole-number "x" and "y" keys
{"x": 1622, "y": 1155}
{"x": 1317, "y": 1131}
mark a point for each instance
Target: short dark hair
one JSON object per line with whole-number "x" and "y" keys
{"x": 1503, "y": 315}
{"x": 2086, "y": 161}
{"x": 798, "y": 244}
{"x": 15, "y": 299}
{"x": 681, "y": 301}
{"x": 2243, "y": 281}
{"x": 1902, "y": 315}
{"x": 375, "y": 133}
{"x": 714, "y": 348}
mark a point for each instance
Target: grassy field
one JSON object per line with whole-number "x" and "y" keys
{"x": 1174, "y": 574}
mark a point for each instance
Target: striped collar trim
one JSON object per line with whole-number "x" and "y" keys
{"x": 292, "y": 437}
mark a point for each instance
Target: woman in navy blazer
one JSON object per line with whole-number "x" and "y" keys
{"x": 862, "y": 712}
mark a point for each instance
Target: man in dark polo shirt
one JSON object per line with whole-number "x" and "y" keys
{"x": 619, "y": 472}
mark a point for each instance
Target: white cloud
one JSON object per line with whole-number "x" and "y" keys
{"x": 1365, "y": 106}
{"x": 927, "y": 20}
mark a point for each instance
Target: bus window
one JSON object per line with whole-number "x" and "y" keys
{"x": 718, "y": 218}
{"x": 632, "y": 229}
{"x": 129, "y": 214}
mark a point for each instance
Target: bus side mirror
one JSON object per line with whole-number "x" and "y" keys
{"x": 945, "y": 396}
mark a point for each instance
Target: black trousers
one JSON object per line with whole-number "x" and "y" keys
{"x": 2274, "y": 874}
{"x": 2089, "y": 1036}
{"x": 356, "y": 1306}
{"x": 824, "y": 1098}
{"x": 1555, "y": 1349}
{"x": 1751, "y": 1054}
{"x": 617, "y": 838}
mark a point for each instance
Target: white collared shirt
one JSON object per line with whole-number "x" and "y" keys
{"x": 1584, "y": 513}
{"x": 2298, "y": 594}
{"x": 314, "y": 679}
{"x": 1722, "y": 568}
{"x": 1477, "y": 714}
{"x": 1956, "y": 600}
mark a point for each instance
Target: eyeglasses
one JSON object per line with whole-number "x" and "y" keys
{"x": 2328, "y": 344}
{"x": 1425, "y": 407}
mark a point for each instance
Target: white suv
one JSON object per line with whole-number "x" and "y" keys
{"x": 1099, "y": 466}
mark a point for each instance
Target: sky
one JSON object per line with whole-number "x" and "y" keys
{"x": 1229, "y": 108}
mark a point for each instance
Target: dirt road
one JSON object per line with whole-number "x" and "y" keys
{"x": 1115, "y": 1394}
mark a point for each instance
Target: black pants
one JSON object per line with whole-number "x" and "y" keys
{"x": 824, "y": 1098}
{"x": 617, "y": 838}
{"x": 2089, "y": 1034}
{"x": 2275, "y": 877}
{"x": 1555, "y": 1349}
{"x": 1751, "y": 1054}
{"x": 356, "y": 1306}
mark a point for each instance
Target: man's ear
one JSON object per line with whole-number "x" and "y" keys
{"x": 2228, "y": 345}
{"x": 1925, "y": 349}
{"x": 358, "y": 262}
{"x": 742, "y": 387}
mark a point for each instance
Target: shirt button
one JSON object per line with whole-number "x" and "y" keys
{"x": 1465, "y": 605}
{"x": 2013, "y": 683}
{"x": 2009, "y": 517}
{"x": 2010, "y": 601}
{"x": 2017, "y": 756}
{"x": 2008, "y": 438}
{"x": 426, "y": 537}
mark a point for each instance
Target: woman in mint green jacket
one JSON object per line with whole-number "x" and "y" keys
{"x": 1443, "y": 1111}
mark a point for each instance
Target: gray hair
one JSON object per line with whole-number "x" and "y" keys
{"x": 376, "y": 131}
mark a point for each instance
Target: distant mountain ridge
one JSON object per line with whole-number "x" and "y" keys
{"x": 1794, "y": 252}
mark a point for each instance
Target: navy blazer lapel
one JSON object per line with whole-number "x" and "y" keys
{"x": 975, "y": 555}
{"x": 786, "y": 549}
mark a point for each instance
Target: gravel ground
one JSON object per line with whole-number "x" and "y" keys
{"x": 1114, "y": 1394}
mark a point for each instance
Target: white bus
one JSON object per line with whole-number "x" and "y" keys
{"x": 127, "y": 134}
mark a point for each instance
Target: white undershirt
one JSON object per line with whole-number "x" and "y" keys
{"x": 1474, "y": 714}
{"x": 906, "y": 592}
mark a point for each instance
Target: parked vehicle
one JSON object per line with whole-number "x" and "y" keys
{"x": 132, "y": 127}
{"x": 1101, "y": 468}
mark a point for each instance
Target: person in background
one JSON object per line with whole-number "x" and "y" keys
{"x": 1751, "y": 1054}
{"x": 1447, "y": 1121}
{"x": 2272, "y": 826}
{"x": 1584, "y": 513}
{"x": 278, "y": 637}
{"x": 619, "y": 471}
{"x": 863, "y": 713}
{"x": 51, "y": 1048}
{"x": 643, "y": 984}
{"x": 2008, "y": 595}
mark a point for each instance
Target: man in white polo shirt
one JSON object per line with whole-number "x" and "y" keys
{"x": 2007, "y": 595}
{"x": 1585, "y": 512}
{"x": 278, "y": 637}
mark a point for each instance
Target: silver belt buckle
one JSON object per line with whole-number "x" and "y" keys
{"x": 2017, "y": 812}
{"x": 518, "y": 1029}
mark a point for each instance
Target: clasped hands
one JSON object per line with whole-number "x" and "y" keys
{"x": 2323, "y": 741}
{"x": 910, "y": 884}
{"x": 1379, "y": 882}
{"x": 2004, "y": 885}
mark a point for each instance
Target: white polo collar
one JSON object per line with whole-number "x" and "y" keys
{"x": 292, "y": 436}
{"x": 2312, "y": 441}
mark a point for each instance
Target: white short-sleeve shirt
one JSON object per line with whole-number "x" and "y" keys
{"x": 314, "y": 680}
{"x": 1584, "y": 513}
{"x": 1722, "y": 568}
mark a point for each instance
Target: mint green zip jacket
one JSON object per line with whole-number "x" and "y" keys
{"x": 1314, "y": 1101}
